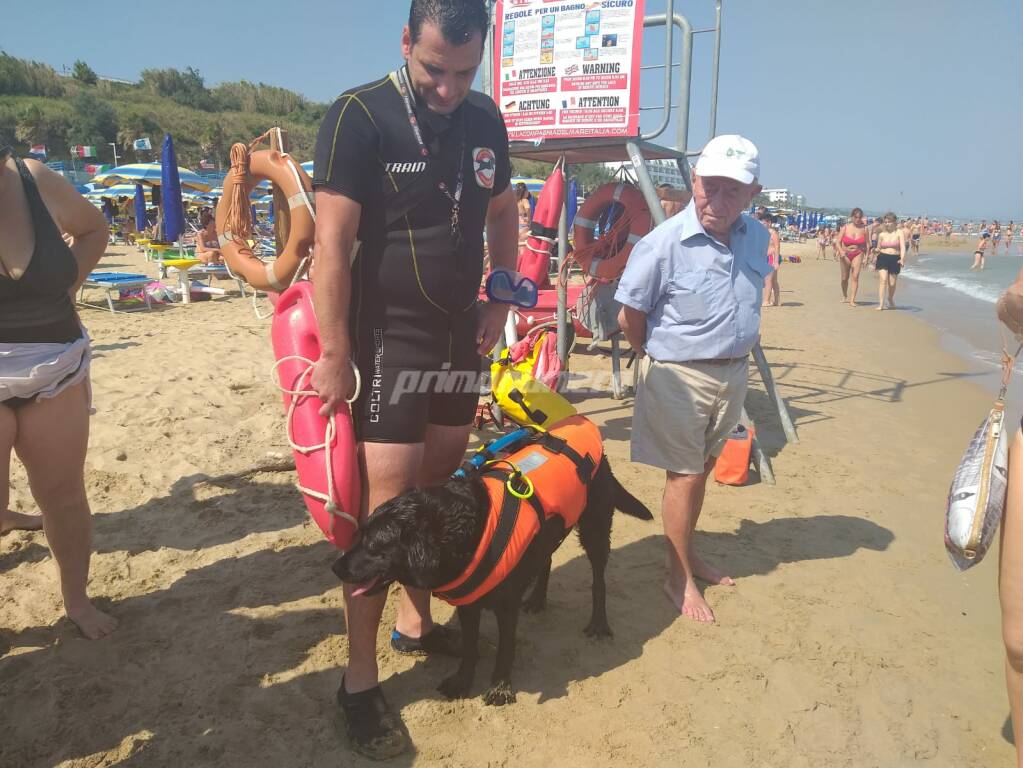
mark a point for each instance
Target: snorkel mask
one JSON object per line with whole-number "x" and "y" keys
{"x": 507, "y": 287}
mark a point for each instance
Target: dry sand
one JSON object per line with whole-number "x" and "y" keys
{"x": 849, "y": 641}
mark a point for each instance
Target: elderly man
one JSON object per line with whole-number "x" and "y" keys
{"x": 691, "y": 294}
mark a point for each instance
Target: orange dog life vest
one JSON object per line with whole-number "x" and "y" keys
{"x": 547, "y": 476}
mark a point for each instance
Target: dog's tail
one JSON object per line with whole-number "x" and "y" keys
{"x": 626, "y": 502}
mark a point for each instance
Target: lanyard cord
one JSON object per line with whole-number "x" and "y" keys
{"x": 405, "y": 88}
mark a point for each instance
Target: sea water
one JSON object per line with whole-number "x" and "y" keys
{"x": 940, "y": 288}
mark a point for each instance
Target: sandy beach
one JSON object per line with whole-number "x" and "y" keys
{"x": 850, "y": 640}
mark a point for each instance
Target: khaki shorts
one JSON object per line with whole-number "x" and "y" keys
{"x": 684, "y": 412}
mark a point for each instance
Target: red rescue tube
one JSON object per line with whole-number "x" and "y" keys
{"x": 535, "y": 256}
{"x": 325, "y": 455}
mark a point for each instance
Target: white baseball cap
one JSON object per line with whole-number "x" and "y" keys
{"x": 732, "y": 156}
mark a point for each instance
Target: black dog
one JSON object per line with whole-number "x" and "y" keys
{"x": 426, "y": 538}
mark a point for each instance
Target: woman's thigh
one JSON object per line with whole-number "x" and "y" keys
{"x": 53, "y": 436}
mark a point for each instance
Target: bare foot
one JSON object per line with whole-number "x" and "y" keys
{"x": 708, "y": 573}
{"x": 853, "y": 304}
{"x": 879, "y": 309}
{"x": 891, "y": 305}
{"x": 689, "y": 602}
{"x": 16, "y": 521}
{"x": 92, "y": 622}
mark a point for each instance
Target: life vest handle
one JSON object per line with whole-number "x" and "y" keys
{"x": 490, "y": 450}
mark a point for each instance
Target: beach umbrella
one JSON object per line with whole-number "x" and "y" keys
{"x": 535, "y": 186}
{"x": 140, "y": 208}
{"x": 170, "y": 184}
{"x": 150, "y": 174}
{"x": 308, "y": 167}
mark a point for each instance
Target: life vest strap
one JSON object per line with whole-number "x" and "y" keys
{"x": 584, "y": 465}
{"x": 506, "y": 522}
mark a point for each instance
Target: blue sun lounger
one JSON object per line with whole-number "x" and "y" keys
{"x": 116, "y": 281}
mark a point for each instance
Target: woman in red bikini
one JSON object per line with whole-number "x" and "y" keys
{"x": 853, "y": 246}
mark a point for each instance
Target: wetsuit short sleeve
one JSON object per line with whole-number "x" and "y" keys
{"x": 345, "y": 159}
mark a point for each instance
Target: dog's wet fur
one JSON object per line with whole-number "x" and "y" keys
{"x": 426, "y": 538}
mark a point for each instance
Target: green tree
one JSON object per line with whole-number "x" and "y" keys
{"x": 186, "y": 88}
{"x": 83, "y": 73}
{"x": 8, "y": 126}
{"x": 93, "y": 120}
{"x": 36, "y": 126}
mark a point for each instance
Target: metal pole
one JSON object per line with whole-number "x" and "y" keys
{"x": 563, "y": 280}
{"x": 685, "y": 75}
{"x": 669, "y": 44}
{"x": 759, "y": 457}
{"x": 114, "y": 145}
{"x": 646, "y": 186}
{"x": 717, "y": 71}
{"x": 488, "y": 58}
{"x": 783, "y": 412}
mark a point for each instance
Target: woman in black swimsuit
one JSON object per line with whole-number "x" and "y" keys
{"x": 44, "y": 418}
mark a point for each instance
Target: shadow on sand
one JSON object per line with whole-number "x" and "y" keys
{"x": 209, "y": 670}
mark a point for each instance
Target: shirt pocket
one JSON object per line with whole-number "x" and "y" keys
{"x": 686, "y": 302}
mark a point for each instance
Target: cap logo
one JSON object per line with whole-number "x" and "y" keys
{"x": 733, "y": 152}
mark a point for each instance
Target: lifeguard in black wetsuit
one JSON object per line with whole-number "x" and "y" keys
{"x": 413, "y": 166}
{"x": 44, "y": 366}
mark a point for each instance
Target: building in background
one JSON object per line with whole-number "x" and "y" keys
{"x": 661, "y": 172}
{"x": 784, "y": 197}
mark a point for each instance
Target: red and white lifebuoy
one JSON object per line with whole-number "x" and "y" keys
{"x": 604, "y": 258}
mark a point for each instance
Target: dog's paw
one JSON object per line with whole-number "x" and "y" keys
{"x": 455, "y": 687}
{"x": 597, "y": 629}
{"x": 534, "y": 604}
{"x": 499, "y": 695}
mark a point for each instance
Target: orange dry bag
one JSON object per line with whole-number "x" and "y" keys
{"x": 732, "y": 467}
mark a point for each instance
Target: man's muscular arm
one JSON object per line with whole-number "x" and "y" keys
{"x": 337, "y": 222}
{"x": 502, "y": 241}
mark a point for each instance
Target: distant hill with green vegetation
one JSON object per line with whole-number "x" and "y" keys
{"x": 40, "y": 106}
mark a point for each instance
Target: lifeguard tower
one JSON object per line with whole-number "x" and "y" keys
{"x": 638, "y": 149}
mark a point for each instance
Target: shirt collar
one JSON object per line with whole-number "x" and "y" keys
{"x": 691, "y": 226}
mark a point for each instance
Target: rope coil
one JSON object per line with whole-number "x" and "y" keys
{"x": 303, "y": 389}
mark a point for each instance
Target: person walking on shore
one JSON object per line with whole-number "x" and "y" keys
{"x": 414, "y": 166}
{"x": 691, "y": 296}
{"x": 772, "y": 289}
{"x": 979, "y": 252}
{"x": 852, "y": 247}
{"x": 44, "y": 391}
{"x": 891, "y": 258}
{"x": 1008, "y": 236}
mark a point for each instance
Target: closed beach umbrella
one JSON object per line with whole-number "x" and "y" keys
{"x": 173, "y": 211}
{"x": 140, "y": 208}
{"x": 573, "y": 201}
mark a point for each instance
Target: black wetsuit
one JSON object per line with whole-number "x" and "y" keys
{"x": 414, "y": 281}
{"x": 37, "y": 307}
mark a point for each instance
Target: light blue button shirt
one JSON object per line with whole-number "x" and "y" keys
{"x": 702, "y": 298}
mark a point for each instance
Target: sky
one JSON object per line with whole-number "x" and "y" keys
{"x": 914, "y": 105}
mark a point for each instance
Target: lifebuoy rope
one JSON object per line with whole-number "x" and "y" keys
{"x": 302, "y": 389}
{"x": 238, "y": 221}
